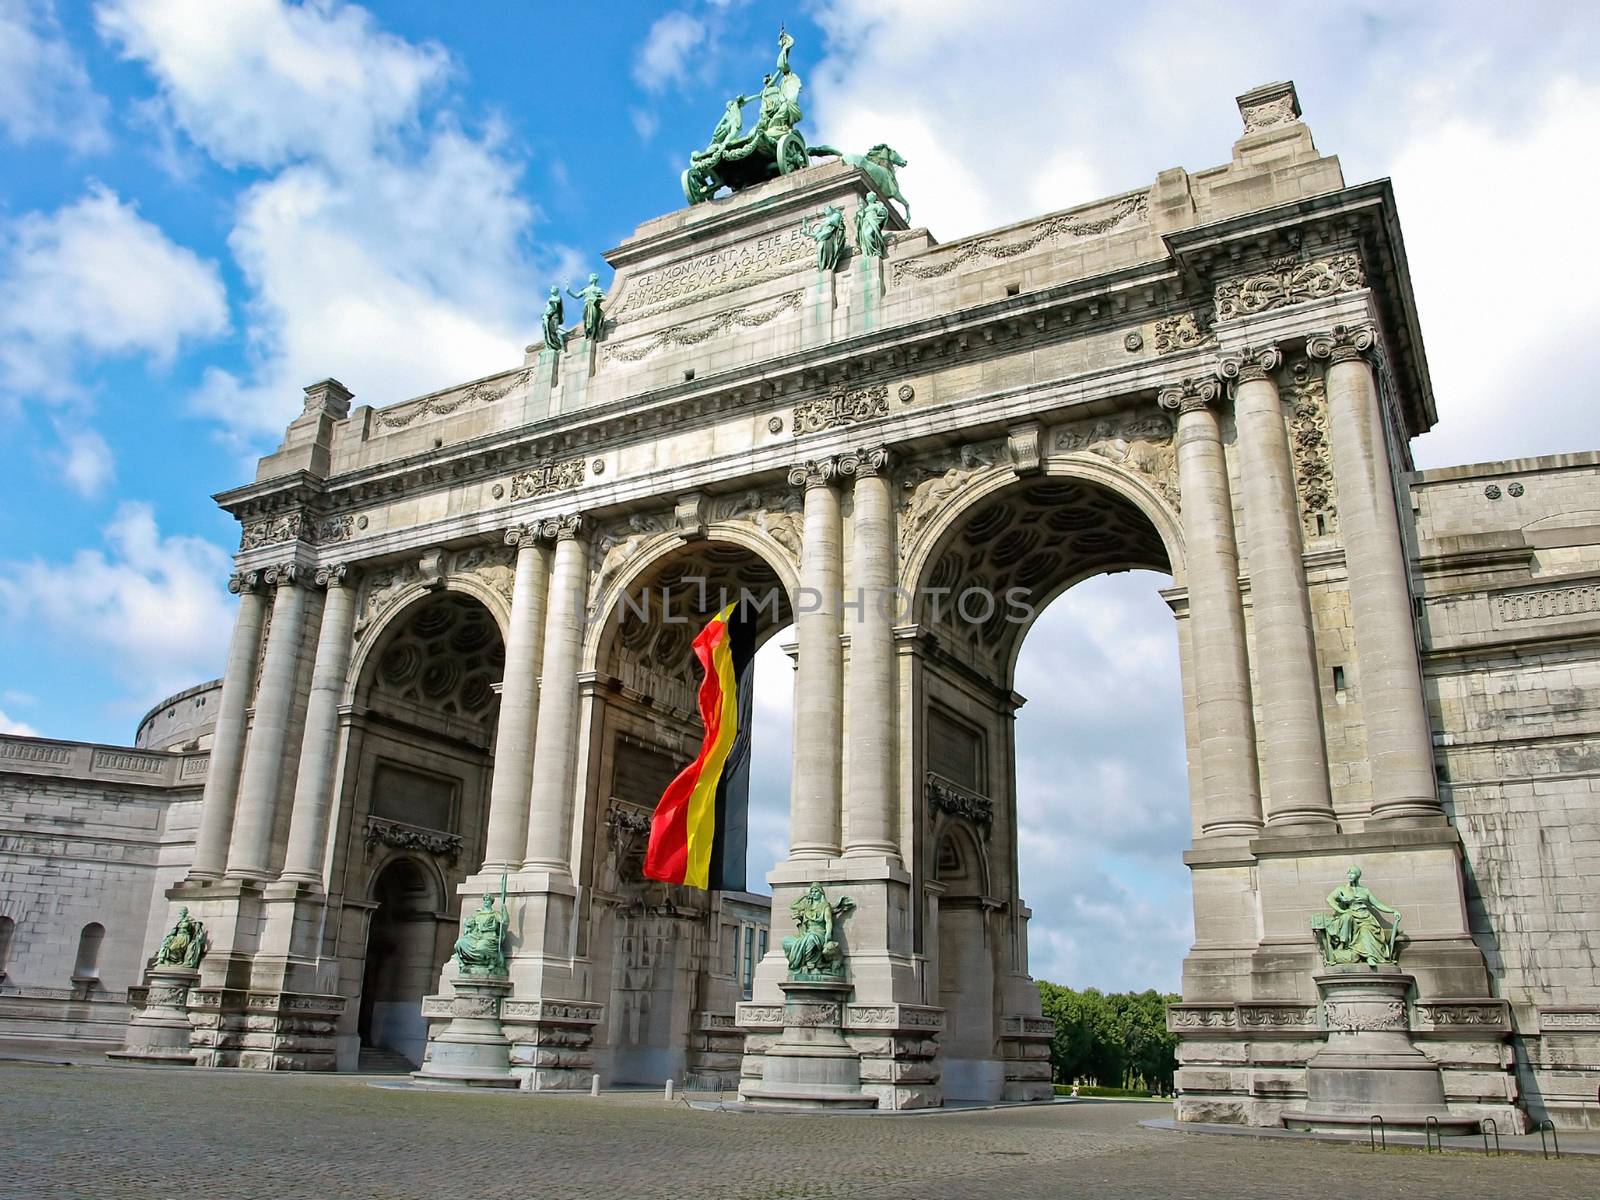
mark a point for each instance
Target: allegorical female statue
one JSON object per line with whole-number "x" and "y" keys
{"x": 814, "y": 952}
{"x": 184, "y": 945}
{"x": 828, "y": 234}
{"x": 870, "y": 220}
{"x": 1354, "y": 932}
{"x": 592, "y": 296}
{"x": 554, "y": 315}
{"x": 480, "y": 950}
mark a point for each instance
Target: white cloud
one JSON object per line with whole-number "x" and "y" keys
{"x": 95, "y": 278}
{"x": 645, "y": 123}
{"x": 152, "y": 605}
{"x": 20, "y": 728}
{"x": 85, "y": 460}
{"x": 45, "y": 92}
{"x": 262, "y": 82}
{"x": 663, "y": 59}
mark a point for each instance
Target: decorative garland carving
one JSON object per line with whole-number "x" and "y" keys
{"x": 1358, "y": 1016}
{"x": 409, "y": 837}
{"x": 947, "y": 797}
{"x": 548, "y": 478}
{"x": 1142, "y": 444}
{"x": 1051, "y": 229}
{"x": 1289, "y": 281}
{"x": 1186, "y": 331}
{"x": 481, "y": 393}
{"x": 849, "y": 406}
{"x": 752, "y": 316}
{"x": 1313, "y": 463}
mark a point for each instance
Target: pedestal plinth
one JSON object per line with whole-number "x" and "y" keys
{"x": 811, "y": 1065}
{"x": 158, "y": 1034}
{"x": 472, "y": 1049}
{"x": 1369, "y": 1066}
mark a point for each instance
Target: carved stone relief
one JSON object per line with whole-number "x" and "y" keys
{"x": 547, "y": 478}
{"x": 713, "y": 274}
{"x": 1289, "y": 281}
{"x": 1142, "y": 444}
{"x": 751, "y": 316}
{"x": 930, "y": 483}
{"x": 1185, "y": 331}
{"x": 848, "y": 406}
{"x": 1052, "y": 230}
{"x": 1313, "y": 463}
{"x": 271, "y": 531}
{"x": 479, "y": 393}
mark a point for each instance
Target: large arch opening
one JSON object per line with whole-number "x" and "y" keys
{"x": 1036, "y": 780}
{"x": 672, "y": 962}
{"x": 414, "y": 815}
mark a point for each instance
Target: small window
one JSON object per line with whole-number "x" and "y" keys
{"x": 88, "y": 965}
{"x": 688, "y": 376}
{"x": 1322, "y": 525}
{"x": 1338, "y": 679}
{"x": 1013, "y": 289}
{"x": 7, "y": 927}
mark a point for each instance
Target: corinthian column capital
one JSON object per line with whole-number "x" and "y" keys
{"x": 866, "y": 462}
{"x": 1342, "y": 343}
{"x": 281, "y": 575}
{"x": 1249, "y": 365}
{"x": 1186, "y": 395}
{"x": 563, "y": 528}
{"x": 814, "y": 472}
{"x": 522, "y": 535}
{"x": 334, "y": 575}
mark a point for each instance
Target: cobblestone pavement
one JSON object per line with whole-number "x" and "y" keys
{"x": 70, "y": 1132}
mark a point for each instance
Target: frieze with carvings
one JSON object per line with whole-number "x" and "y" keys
{"x": 1289, "y": 281}
{"x": 271, "y": 531}
{"x": 1278, "y": 1016}
{"x": 932, "y": 483}
{"x": 752, "y": 316}
{"x": 381, "y": 832}
{"x": 1141, "y": 444}
{"x": 485, "y": 392}
{"x": 1313, "y": 462}
{"x": 1447, "y": 1014}
{"x": 1569, "y": 1020}
{"x": 716, "y": 273}
{"x": 955, "y": 801}
{"x": 849, "y": 406}
{"x": 1280, "y": 110}
{"x": 615, "y": 543}
{"x": 780, "y": 514}
{"x": 1052, "y": 230}
{"x": 1551, "y": 604}
{"x": 1185, "y": 331}
{"x": 547, "y": 479}
{"x": 1359, "y": 1016}
{"x": 1187, "y": 1017}
{"x": 332, "y": 530}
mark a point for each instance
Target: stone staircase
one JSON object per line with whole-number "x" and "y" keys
{"x": 375, "y": 1060}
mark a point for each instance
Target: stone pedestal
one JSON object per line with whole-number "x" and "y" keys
{"x": 158, "y": 1032}
{"x": 473, "y": 1048}
{"x": 1369, "y": 1066}
{"x": 811, "y": 1066}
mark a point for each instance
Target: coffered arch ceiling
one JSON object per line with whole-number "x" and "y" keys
{"x": 443, "y": 657}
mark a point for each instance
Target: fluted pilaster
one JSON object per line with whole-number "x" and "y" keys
{"x": 510, "y": 792}
{"x": 814, "y": 821}
{"x": 555, "y": 749}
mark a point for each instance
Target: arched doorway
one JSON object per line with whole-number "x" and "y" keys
{"x": 401, "y": 961}
{"x": 671, "y": 963}
{"x": 420, "y": 757}
{"x": 1001, "y": 551}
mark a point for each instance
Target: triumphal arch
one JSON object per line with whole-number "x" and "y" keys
{"x": 461, "y": 660}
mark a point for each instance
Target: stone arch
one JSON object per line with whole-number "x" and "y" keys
{"x": 442, "y": 646}
{"x": 86, "y": 964}
{"x": 398, "y": 964}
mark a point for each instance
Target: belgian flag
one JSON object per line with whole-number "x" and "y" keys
{"x": 698, "y": 833}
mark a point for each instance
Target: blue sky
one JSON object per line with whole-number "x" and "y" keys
{"x": 207, "y": 204}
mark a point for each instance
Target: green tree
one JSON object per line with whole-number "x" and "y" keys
{"x": 1112, "y": 1040}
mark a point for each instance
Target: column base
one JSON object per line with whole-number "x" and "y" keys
{"x": 159, "y": 1030}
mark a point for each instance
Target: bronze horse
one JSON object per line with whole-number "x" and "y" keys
{"x": 878, "y": 164}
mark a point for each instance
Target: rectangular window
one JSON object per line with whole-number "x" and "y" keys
{"x": 955, "y": 751}
{"x": 749, "y": 959}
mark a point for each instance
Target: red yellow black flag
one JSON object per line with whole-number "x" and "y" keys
{"x": 698, "y": 833}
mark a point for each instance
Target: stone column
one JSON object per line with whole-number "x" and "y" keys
{"x": 315, "y": 786}
{"x": 555, "y": 742}
{"x": 1399, "y": 738}
{"x": 872, "y": 798}
{"x": 227, "y": 742}
{"x": 250, "y": 854}
{"x": 510, "y": 789}
{"x": 1220, "y": 658}
{"x": 814, "y": 810}
{"x": 1286, "y": 663}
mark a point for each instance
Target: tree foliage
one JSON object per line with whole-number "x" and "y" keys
{"x": 1116, "y": 1039}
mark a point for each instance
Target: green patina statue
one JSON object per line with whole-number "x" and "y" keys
{"x": 555, "y": 337}
{"x": 184, "y": 945}
{"x": 814, "y": 952}
{"x": 828, "y": 233}
{"x": 480, "y": 950}
{"x": 592, "y": 295}
{"x": 878, "y": 165}
{"x": 737, "y": 158}
{"x": 870, "y": 220}
{"x": 1354, "y": 932}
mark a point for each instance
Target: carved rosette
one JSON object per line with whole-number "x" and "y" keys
{"x": 1289, "y": 281}
{"x": 1343, "y": 343}
{"x": 1188, "y": 395}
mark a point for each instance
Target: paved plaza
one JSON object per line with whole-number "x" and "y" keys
{"x": 70, "y": 1132}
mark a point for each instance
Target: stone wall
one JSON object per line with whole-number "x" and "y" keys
{"x": 89, "y": 835}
